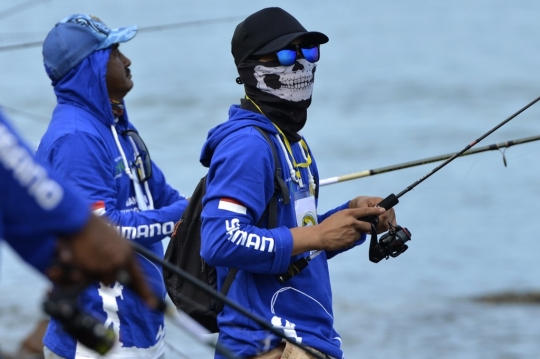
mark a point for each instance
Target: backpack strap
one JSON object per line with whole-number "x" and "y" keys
{"x": 279, "y": 186}
{"x": 226, "y": 286}
{"x": 279, "y": 183}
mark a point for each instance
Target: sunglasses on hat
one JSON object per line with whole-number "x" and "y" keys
{"x": 287, "y": 56}
{"x": 142, "y": 163}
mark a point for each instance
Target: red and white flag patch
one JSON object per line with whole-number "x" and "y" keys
{"x": 232, "y": 205}
{"x": 98, "y": 208}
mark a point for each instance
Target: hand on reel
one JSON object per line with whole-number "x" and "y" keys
{"x": 392, "y": 243}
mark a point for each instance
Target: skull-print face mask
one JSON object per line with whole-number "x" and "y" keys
{"x": 283, "y": 93}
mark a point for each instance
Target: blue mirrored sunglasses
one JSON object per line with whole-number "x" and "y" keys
{"x": 287, "y": 56}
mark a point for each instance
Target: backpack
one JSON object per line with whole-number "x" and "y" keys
{"x": 184, "y": 251}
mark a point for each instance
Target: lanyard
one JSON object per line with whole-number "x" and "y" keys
{"x": 307, "y": 156}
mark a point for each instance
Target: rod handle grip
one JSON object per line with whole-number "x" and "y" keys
{"x": 387, "y": 203}
{"x": 293, "y": 269}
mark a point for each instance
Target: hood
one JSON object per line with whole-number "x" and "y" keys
{"x": 85, "y": 86}
{"x": 238, "y": 118}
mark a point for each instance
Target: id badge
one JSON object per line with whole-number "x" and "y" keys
{"x": 305, "y": 208}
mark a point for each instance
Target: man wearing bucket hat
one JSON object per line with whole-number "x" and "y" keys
{"x": 91, "y": 143}
{"x": 276, "y": 58}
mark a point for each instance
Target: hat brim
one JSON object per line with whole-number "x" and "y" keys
{"x": 312, "y": 37}
{"x": 116, "y": 36}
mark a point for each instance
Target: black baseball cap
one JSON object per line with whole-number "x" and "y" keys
{"x": 269, "y": 30}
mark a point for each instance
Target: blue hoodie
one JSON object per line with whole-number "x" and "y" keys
{"x": 34, "y": 207}
{"x": 80, "y": 146}
{"x": 241, "y": 168}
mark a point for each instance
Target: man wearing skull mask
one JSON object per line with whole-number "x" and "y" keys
{"x": 276, "y": 60}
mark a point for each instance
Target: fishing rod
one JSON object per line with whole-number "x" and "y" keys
{"x": 392, "y": 199}
{"x": 219, "y": 296}
{"x": 153, "y": 28}
{"x": 392, "y": 244}
{"x": 189, "y": 23}
{"x": 376, "y": 171}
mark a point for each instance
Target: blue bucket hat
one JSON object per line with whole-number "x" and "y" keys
{"x": 76, "y": 37}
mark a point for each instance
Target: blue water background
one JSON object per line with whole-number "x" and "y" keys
{"x": 398, "y": 81}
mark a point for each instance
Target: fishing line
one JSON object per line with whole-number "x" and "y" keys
{"x": 153, "y": 28}
{"x": 26, "y": 114}
{"x": 196, "y": 330}
{"x": 393, "y": 243}
{"x": 219, "y": 296}
{"x": 18, "y": 8}
{"x": 503, "y": 156}
{"x": 189, "y": 23}
{"x": 376, "y": 171}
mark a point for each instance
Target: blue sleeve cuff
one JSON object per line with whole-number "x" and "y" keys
{"x": 284, "y": 244}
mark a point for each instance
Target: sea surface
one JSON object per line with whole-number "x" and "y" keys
{"x": 398, "y": 81}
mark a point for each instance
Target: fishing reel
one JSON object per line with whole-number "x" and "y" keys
{"x": 61, "y": 304}
{"x": 391, "y": 244}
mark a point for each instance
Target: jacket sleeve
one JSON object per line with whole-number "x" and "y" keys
{"x": 35, "y": 208}
{"x": 83, "y": 160}
{"x": 240, "y": 183}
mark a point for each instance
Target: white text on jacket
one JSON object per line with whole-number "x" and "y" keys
{"x": 147, "y": 230}
{"x": 247, "y": 239}
{"x": 31, "y": 176}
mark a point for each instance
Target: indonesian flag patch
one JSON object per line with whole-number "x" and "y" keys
{"x": 232, "y": 205}
{"x": 98, "y": 208}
